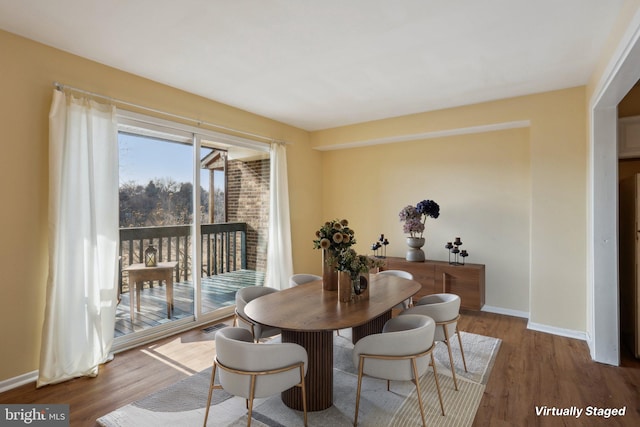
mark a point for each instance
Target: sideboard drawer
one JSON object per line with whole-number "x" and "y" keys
{"x": 466, "y": 281}
{"x": 422, "y": 272}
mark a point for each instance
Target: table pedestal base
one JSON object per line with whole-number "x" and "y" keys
{"x": 373, "y": 326}
{"x": 319, "y": 379}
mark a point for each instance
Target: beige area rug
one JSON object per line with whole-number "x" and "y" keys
{"x": 183, "y": 404}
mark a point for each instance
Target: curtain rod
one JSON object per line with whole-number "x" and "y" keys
{"x": 61, "y": 87}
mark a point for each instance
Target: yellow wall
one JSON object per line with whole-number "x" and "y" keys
{"x": 481, "y": 182}
{"x": 530, "y": 231}
{"x": 27, "y": 72}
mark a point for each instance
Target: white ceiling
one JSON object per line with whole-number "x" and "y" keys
{"x": 321, "y": 64}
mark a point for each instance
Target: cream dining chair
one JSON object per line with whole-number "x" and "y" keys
{"x": 300, "y": 279}
{"x": 243, "y": 297}
{"x": 444, "y": 309}
{"x": 251, "y": 370}
{"x": 402, "y": 352}
{"x": 405, "y": 275}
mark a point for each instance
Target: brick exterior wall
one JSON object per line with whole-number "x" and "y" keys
{"x": 248, "y": 201}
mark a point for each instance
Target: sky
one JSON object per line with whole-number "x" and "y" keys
{"x": 143, "y": 159}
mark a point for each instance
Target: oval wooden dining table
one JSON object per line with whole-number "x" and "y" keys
{"x": 308, "y": 315}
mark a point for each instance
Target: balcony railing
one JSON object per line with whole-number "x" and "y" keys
{"x": 223, "y": 248}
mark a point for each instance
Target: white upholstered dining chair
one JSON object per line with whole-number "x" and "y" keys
{"x": 300, "y": 279}
{"x": 251, "y": 370}
{"x": 243, "y": 297}
{"x": 444, "y": 309}
{"x": 402, "y": 352}
{"x": 405, "y": 275}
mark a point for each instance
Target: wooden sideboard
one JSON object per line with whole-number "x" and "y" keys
{"x": 466, "y": 281}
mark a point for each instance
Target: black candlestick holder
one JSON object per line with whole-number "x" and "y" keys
{"x": 381, "y": 246}
{"x": 454, "y": 249}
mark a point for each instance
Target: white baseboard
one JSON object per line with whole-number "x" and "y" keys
{"x": 569, "y": 333}
{"x": 11, "y": 383}
{"x": 592, "y": 346}
{"x": 505, "y": 311}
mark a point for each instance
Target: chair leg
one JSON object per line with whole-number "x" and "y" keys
{"x": 236, "y": 321}
{"x": 453, "y": 369}
{"x": 304, "y": 394}
{"x": 251, "y": 393}
{"x": 253, "y": 333}
{"x": 464, "y": 362}
{"x": 355, "y": 418}
{"x": 416, "y": 380}
{"x": 211, "y": 387}
{"x": 435, "y": 375}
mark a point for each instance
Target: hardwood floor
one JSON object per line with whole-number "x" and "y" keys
{"x": 535, "y": 369}
{"x": 532, "y": 369}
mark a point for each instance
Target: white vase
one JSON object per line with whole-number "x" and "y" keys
{"x": 415, "y": 253}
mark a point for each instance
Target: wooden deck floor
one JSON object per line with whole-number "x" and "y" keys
{"x": 217, "y": 292}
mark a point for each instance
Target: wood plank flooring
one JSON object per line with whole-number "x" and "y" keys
{"x": 532, "y": 369}
{"x": 538, "y": 369}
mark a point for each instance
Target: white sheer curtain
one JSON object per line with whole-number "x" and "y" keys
{"x": 83, "y": 239}
{"x": 279, "y": 258}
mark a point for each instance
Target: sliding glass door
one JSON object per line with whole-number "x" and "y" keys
{"x": 199, "y": 200}
{"x": 156, "y": 211}
{"x": 234, "y": 225}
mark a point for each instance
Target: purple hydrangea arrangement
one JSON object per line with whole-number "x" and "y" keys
{"x": 415, "y": 217}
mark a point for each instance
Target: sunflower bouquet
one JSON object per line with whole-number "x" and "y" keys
{"x": 334, "y": 236}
